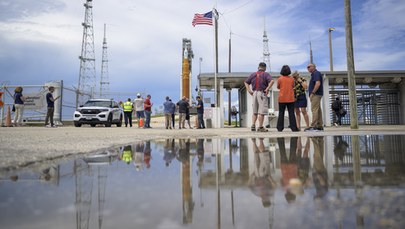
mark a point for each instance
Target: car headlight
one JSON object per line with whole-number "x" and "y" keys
{"x": 103, "y": 110}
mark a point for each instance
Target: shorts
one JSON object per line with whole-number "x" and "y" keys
{"x": 260, "y": 103}
{"x": 301, "y": 101}
{"x": 140, "y": 114}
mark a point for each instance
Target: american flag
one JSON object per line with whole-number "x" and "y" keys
{"x": 202, "y": 19}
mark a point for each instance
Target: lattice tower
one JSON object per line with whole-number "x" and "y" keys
{"x": 104, "y": 81}
{"x": 87, "y": 77}
{"x": 266, "y": 52}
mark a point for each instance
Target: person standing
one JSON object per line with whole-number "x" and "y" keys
{"x": 258, "y": 85}
{"x": 50, "y": 100}
{"x": 286, "y": 99}
{"x": 128, "y": 108}
{"x": 188, "y": 114}
{"x": 182, "y": 105}
{"x": 140, "y": 114}
{"x": 18, "y": 105}
{"x": 148, "y": 111}
{"x": 168, "y": 108}
{"x": 200, "y": 113}
{"x": 300, "y": 105}
{"x": 337, "y": 108}
{"x": 173, "y": 110}
{"x": 315, "y": 90}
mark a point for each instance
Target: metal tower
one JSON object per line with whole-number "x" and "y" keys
{"x": 87, "y": 77}
{"x": 266, "y": 53}
{"x": 104, "y": 81}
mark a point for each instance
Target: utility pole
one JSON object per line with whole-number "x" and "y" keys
{"x": 350, "y": 67}
{"x": 230, "y": 89}
{"x": 87, "y": 75}
{"x": 104, "y": 81}
{"x": 330, "y": 49}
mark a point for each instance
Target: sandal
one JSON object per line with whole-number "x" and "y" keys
{"x": 262, "y": 129}
{"x": 253, "y": 128}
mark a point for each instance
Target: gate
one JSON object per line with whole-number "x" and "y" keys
{"x": 374, "y": 107}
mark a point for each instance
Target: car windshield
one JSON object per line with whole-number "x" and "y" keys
{"x": 97, "y": 104}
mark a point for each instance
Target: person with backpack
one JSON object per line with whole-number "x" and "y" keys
{"x": 338, "y": 109}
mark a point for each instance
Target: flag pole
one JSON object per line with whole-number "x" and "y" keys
{"x": 215, "y": 14}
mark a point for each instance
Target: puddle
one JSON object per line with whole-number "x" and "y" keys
{"x": 317, "y": 182}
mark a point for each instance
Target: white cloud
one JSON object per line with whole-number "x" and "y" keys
{"x": 145, "y": 37}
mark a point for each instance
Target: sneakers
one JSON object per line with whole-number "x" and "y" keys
{"x": 262, "y": 129}
{"x": 335, "y": 124}
{"x": 313, "y": 129}
{"x": 50, "y": 126}
{"x": 253, "y": 128}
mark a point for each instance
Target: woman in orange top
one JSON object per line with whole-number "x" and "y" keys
{"x": 286, "y": 99}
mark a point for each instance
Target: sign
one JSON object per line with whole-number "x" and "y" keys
{"x": 34, "y": 101}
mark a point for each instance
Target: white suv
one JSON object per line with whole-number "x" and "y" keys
{"x": 98, "y": 111}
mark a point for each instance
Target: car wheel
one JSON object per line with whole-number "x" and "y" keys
{"x": 77, "y": 124}
{"x": 119, "y": 123}
{"x": 109, "y": 121}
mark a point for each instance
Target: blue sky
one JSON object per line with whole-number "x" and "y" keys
{"x": 40, "y": 41}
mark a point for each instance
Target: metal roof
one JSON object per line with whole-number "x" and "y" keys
{"x": 236, "y": 79}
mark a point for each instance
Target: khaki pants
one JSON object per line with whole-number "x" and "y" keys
{"x": 316, "y": 110}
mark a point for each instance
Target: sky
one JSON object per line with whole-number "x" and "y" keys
{"x": 40, "y": 40}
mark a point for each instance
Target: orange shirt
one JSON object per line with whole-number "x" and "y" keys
{"x": 286, "y": 86}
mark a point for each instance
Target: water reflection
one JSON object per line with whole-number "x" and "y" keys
{"x": 306, "y": 182}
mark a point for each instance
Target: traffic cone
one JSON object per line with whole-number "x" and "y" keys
{"x": 140, "y": 124}
{"x": 8, "y": 117}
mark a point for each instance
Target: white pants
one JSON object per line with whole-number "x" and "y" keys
{"x": 19, "y": 110}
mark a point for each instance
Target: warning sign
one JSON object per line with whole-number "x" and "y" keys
{"x": 34, "y": 101}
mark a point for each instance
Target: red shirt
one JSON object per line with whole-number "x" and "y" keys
{"x": 147, "y": 104}
{"x": 286, "y": 86}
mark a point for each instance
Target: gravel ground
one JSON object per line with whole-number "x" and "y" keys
{"x": 21, "y": 146}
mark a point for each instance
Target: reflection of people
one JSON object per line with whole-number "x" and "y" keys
{"x": 200, "y": 152}
{"x": 258, "y": 85}
{"x": 51, "y": 107}
{"x": 260, "y": 181}
{"x": 147, "y": 154}
{"x": 127, "y": 154}
{"x": 138, "y": 155}
{"x": 289, "y": 169}
{"x": 286, "y": 99}
{"x": 319, "y": 172}
{"x": 49, "y": 173}
{"x": 184, "y": 151}
{"x": 18, "y": 105}
{"x": 169, "y": 151}
{"x": 303, "y": 160}
{"x": 340, "y": 148}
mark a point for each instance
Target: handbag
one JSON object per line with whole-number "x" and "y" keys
{"x": 13, "y": 109}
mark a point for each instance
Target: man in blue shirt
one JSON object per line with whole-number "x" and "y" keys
{"x": 315, "y": 90}
{"x": 50, "y": 100}
{"x": 200, "y": 113}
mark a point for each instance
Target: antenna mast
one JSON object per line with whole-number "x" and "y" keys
{"x": 87, "y": 77}
{"x": 104, "y": 81}
{"x": 266, "y": 52}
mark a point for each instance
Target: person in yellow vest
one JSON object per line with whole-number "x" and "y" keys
{"x": 127, "y": 154}
{"x": 128, "y": 108}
